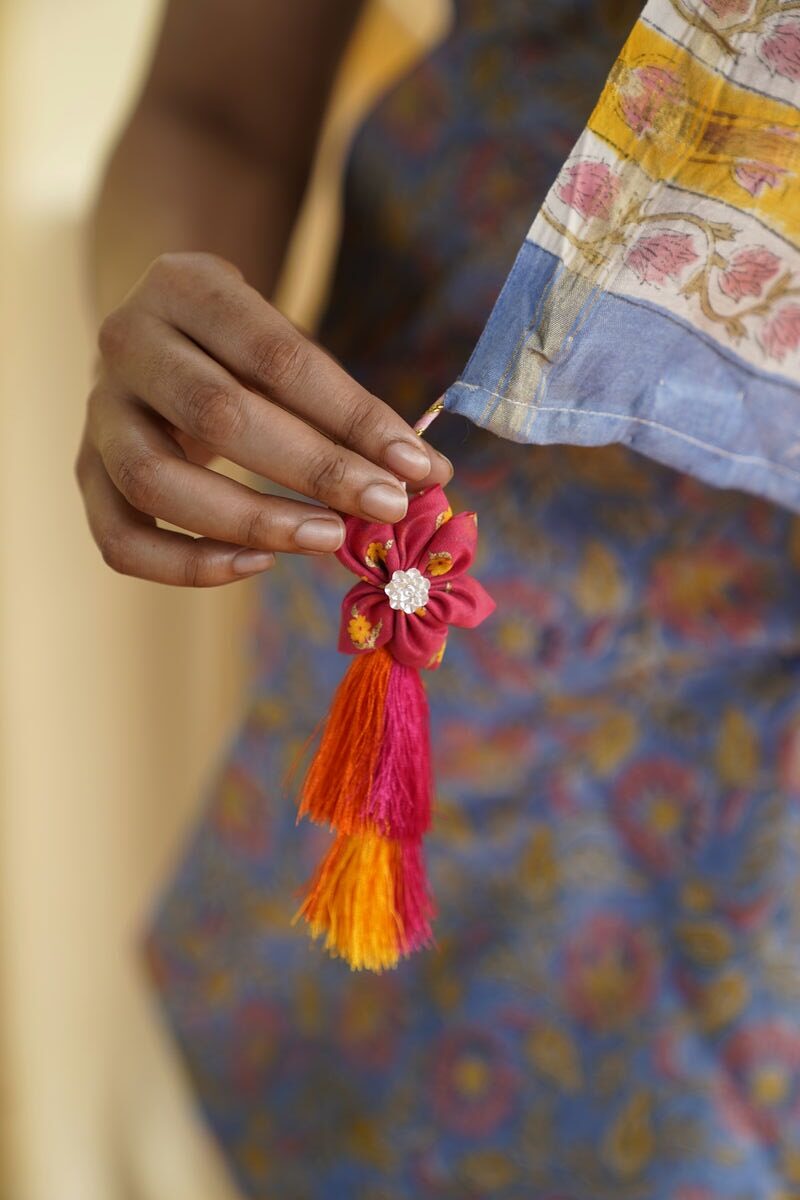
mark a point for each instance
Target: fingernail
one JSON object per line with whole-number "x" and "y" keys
{"x": 407, "y": 458}
{"x": 383, "y": 502}
{"x": 446, "y": 463}
{"x": 248, "y": 562}
{"x": 319, "y": 533}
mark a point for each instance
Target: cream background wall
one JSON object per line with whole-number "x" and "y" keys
{"x": 115, "y": 696}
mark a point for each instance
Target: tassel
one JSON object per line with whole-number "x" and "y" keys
{"x": 371, "y": 778}
{"x": 415, "y": 907}
{"x": 369, "y": 900}
{"x": 399, "y": 803}
{"x": 341, "y": 775}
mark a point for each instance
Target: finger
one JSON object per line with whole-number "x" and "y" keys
{"x": 147, "y": 467}
{"x": 134, "y": 545}
{"x": 236, "y": 326}
{"x": 195, "y": 393}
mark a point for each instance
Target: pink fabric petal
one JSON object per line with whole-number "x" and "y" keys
{"x": 457, "y": 538}
{"x": 417, "y": 640}
{"x": 465, "y": 602}
{"x": 367, "y": 620}
{"x": 369, "y": 549}
{"x": 413, "y": 533}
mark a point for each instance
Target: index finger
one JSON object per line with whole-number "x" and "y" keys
{"x": 237, "y": 327}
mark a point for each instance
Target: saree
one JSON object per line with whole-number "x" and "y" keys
{"x": 611, "y": 1009}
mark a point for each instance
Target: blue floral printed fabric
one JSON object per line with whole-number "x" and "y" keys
{"x": 612, "y": 1008}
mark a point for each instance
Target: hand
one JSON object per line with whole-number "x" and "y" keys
{"x": 195, "y": 363}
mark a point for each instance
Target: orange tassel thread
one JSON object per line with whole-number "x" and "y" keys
{"x": 340, "y": 777}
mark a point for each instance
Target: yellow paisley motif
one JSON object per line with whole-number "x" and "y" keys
{"x": 629, "y": 1144}
{"x": 790, "y": 1163}
{"x": 705, "y": 941}
{"x": 487, "y": 1171}
{"x": 556, "y": 1056}
{"x": 737, "y": 749}
{"x": 611, "y": 741}
{"x": 697, "y": 896}
{"x": 539, "y": 865}
{"x": 599, "y": 589}
{"x": 722, "y": 1000}
{"x": 365, "y": 1143}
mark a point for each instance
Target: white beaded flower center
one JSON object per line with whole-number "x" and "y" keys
{"x": 408, "y": 590}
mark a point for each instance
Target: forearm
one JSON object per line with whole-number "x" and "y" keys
{"x": 173, "y": 183}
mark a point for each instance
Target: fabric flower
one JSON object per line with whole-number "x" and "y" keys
{"x": 413, "y": 581}
{"x": 748, "y": 271}
{"x": 590, "y": 188}
{"x": 659, "y": 257}
{"x": 780, "y": 49}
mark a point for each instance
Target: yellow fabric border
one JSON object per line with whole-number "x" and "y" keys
{"x": 686, "y": 124}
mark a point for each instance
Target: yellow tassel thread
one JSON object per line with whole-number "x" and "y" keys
{"x": 351, "y": 901}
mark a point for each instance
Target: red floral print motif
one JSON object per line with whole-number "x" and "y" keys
{"x": 241, "y": 813}
{"x": 257, "y": 1033}
{"x": 659, "y": 257}
{"x": 367, "y": 1021}
{"x": 709, "y": 591}
{"x": 590, "y": 188}
{"x": 647, "y": 95}
{"x": 781, "y": 334}
{"x": 527, "y": 638}
{"x": 428, "y": 553}
{"x": 611, "y": 972}
{"x": 474, "y": 1082}
{"x": 661, "y": 812}
{"x": 748, "y": 271}
{"x": 755, "y": 176}
{"x": 760, "y": 1090}
{"x": 780, "y": 49}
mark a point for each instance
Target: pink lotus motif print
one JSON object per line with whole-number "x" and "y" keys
{"x": 767, "y": 30}
{"x": 742, "y": 288}
{"x": 754, "y": 177}
{"x": 647, "y": 95}
{"x": 780, "y": 49}
{"x": 658, "y": 257}
{"x": 781, "y": 334}
{"x": 748, "y": 271}
{"x": 590, "y": 188}
{"x": 728, "y": 8}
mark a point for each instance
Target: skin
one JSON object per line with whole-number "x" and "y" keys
{"x": 192, "y": 221}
